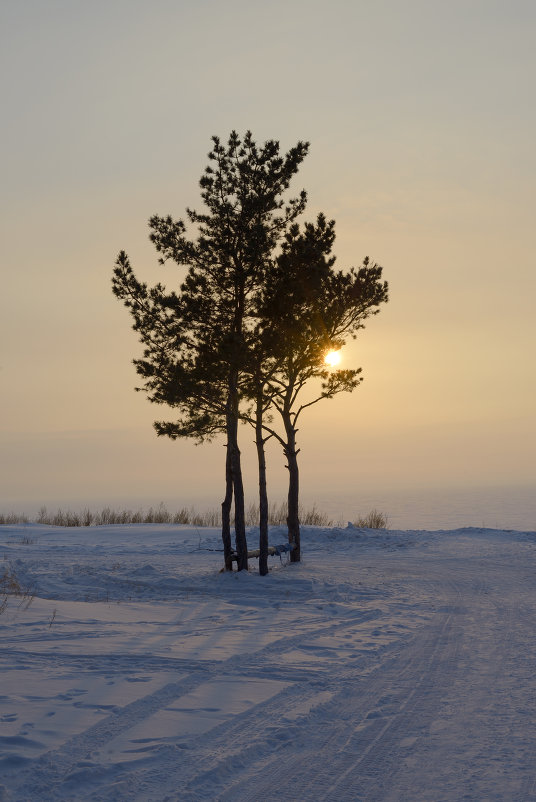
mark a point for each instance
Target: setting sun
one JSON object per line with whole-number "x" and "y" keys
{"x": 332, "y": 358}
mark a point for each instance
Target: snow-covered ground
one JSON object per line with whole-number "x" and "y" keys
{"x": 386, "y": 666}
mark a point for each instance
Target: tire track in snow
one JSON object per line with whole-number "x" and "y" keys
{"x": 49, "y": 777}
{"x": 232, "y": 747}
{"x": 373, "y": 739}
{"x": 363, "y": 754}
{"x": 369, "y": 719}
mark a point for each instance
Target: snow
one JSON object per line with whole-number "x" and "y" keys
{"x": 386, "y": 666}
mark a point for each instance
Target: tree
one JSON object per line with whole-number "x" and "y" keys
{"x": 177, "y": 374}
{"x": 258, "y": 308}
{"x": 207, "y": 330}
{"x": 310, "y": 309}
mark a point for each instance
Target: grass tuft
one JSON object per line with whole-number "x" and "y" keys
{"x": 11, "y": 586}
{"x": 374, "y": 520}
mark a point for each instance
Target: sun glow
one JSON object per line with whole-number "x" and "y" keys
{"x": 332, "y": 358}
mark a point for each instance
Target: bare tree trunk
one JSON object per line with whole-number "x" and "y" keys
{"x": 263, "y": 495}
{"x": 293, "y": 519}
{"x": 240, "y": 518}
{"x": 226, "y": 513}
{"x": 236, "y": 474}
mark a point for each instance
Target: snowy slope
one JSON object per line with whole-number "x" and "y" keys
{"x": 386, "y": 666}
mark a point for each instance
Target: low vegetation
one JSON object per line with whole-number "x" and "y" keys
{"x": 12, "y": 518}
{"x": 10, "y": 585}
{"x": 277, "y": 516}
{"x": 374, "y": 520}
{"x": 161, "y": 515}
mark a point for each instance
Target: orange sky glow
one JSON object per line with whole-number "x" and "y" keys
{"x": 422, "y": 148}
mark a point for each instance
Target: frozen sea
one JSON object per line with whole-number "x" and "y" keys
{"x": 442, "y": 508}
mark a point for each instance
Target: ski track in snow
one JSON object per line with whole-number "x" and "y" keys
{"x": 386, "y": 667}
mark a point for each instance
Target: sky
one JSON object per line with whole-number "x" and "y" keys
{"x": 422, "y": 126}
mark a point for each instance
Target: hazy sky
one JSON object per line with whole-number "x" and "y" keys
{"x": 422, "y": 125}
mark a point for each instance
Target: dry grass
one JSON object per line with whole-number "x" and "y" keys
{"x": 11, "y": 586}
{"x": 13, "y": 518}
{"x": 374, "y": 520}
{"x": 277, "y": 516}
{"x": 110, "y": 517}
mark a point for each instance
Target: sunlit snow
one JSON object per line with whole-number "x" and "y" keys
{"x": 385, "y": 666}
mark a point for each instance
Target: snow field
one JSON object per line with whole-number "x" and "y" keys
{"x": 385, "y": 666}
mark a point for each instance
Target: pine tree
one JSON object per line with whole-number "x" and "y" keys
{"x": 211, "y": 322}
{"x": 310, "y": 309}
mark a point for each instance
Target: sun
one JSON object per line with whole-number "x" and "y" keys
{"x": 332, "y": 358}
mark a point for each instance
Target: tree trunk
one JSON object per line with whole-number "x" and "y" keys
{"x": 240, "y": 518}
{"x": 236, "y": 473}
{"x": 226, "y": 513}
{"x": 293, "y": 519}
{"x": 263, "y": 495}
